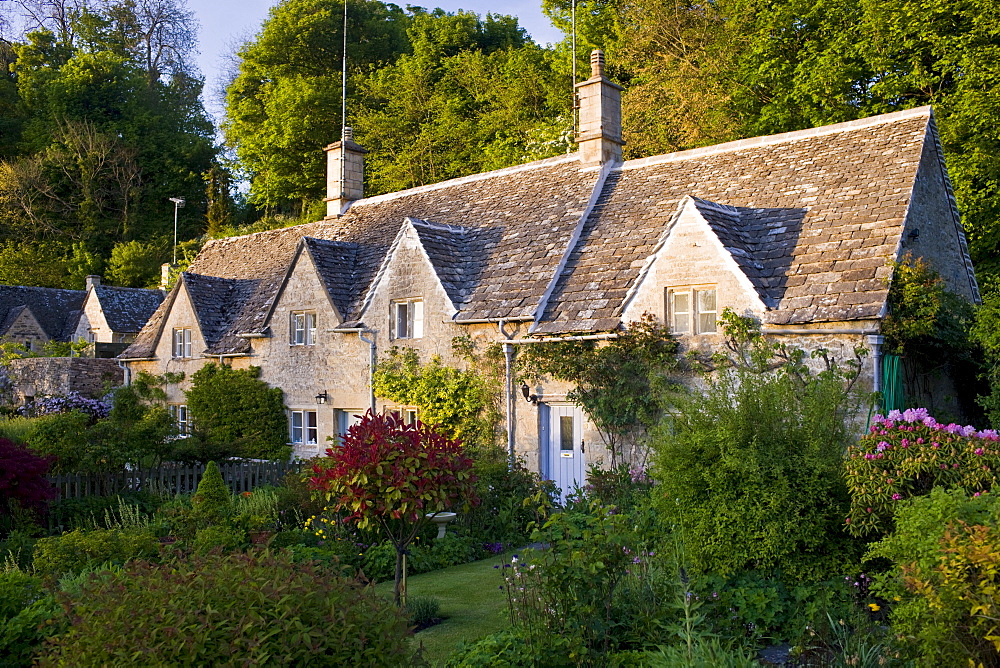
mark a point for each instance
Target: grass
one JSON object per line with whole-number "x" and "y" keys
{"x": 471, "y": 603}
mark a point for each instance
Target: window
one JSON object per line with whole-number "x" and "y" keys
{"x": 347, "y": 418}
{"x": 179, "y": 414}
{"x": 407, "y": 415}
{"x": 182, "y": 342}
{"x": 407, "y": 319}
{"x": 303, "y": 328}
{"x": 305, "y": 428}
{"x": 692, "y": 310}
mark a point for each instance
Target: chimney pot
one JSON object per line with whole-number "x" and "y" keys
{"x": 92, "y": 281}
{"x": 596, "y": 63}
{"x": 348, "y": 134}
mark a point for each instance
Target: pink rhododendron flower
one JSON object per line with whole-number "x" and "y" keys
{"x": 896, "y": 497}
{"x": 979, "y": 451}
{"x": 895, "y": 415}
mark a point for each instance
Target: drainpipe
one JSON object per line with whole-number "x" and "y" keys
{"x": 371, "y": 364}
{"x": 508, "y": 354}
{"x": 126, "y": 374}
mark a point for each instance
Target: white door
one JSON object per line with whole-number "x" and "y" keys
{"x": 565, "y": 450}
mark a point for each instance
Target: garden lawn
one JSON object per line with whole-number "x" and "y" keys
{"x": 471, "y": 601}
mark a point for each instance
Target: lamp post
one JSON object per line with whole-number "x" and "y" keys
{"x": 178, "y": 203}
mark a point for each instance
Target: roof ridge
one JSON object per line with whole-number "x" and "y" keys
{"x": 471, "y": 178}
{"x": 784, "y": 137}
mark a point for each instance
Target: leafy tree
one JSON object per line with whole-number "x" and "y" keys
{"x": 233, "y": 407}
{"x": 474, "y": 95}
{"x": 391, "y": 476}
{"x": 218, "y": 193}
{"x": 135, "y": 264}
{"x": 461, "y": 403}
{"x": 284, "y": 104}
{"x": 615, "y": 383}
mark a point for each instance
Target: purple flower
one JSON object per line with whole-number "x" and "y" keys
{"x": 979, "y": 451}
{"x": 895, "y": 415}
{"x": 896, "y": 497}
{"x": 881, "y": 446}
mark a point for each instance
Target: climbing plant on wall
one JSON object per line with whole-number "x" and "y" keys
{"x": 614, "y": 382}
{"x": 463, "y": 403}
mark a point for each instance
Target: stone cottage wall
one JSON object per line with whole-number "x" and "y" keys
{"x": 40, "y": 376}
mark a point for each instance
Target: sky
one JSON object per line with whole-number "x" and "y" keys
{"x": 228, "y": 22}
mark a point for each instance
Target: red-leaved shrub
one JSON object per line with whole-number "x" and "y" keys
{"x": 22, "y": 479}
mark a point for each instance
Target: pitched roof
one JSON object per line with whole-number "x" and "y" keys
{"x": 814, "y": 215}
{"x": 127, "y": 309}
{"x": 335, "y": 261}
{"x": 809, "y": 217}
{"x": 55, "y": 310}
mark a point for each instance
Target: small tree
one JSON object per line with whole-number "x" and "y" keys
{"x": 392, "y": 475}
{"x": 234, "y": 407}
{"x": 615, "y": 383}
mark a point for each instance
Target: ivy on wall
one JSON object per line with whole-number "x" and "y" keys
{"x": 463, "y": 403}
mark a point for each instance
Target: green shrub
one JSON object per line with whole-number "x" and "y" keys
{"x": 379, "y": 562}
{"x": 218, "y": 537}
{"x": 22, "y": 635}
{"x": 259, "y": 608}
{"x": 423, "y": 611}
{"x": 78, "y": 550}
{"x": 569, "y": 589}
{"x": 750, "y": 468}
{"x": 90, "y": 512}
{"x": 234, "y": 407}
{"x": 66, "y": 437}
{"x": 945, "y": 551}
{"x": 751, "y": 606}
{"x": 501, "y": 516}
{"x": 513, "y": 648}
{"x": 18, "y": 548}
{"x": 212, "y": 503}
{"x": 17, "y": 591}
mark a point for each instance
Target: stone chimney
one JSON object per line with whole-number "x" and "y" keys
{"x": 345, "y": 174}
{"x": 165, "y": 275}
{"x": 92, "y": 281}
{"x": 600, "y": 100}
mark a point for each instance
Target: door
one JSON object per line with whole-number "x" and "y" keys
{"x": 565, "y": 451}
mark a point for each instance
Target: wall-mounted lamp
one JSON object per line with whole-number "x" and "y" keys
{"x": 528, "y": 396}
{"x": 322, "y": 397}
{"x": 914, "y": 234}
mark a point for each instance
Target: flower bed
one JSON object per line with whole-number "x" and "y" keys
{"x": 907, "y": 453}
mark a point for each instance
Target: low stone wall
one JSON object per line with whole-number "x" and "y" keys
{"x": 39, "y": 376}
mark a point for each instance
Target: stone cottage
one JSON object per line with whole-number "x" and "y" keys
{"x": 108, "y": 317}
{"x": 797, "y": 229}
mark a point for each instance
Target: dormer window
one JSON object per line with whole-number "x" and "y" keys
{"x": 407, "y": 319}
{"x": 692, "y": 310}
{"x": 182, "y": 343}
{"x": 303, "y": 328}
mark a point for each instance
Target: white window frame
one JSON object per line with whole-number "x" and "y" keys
{"x": 182, "y": 343}
{"x": 406, "y": 319}
{"x": 408, "y": 414}
{"x": 347, "y": 418}
{"x": 304, "y": 427}
{"x": 182, "y": 420}
{"x": 302, "y": 329}
{"x": 696, "y": 313}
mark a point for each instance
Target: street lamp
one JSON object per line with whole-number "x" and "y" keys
{"x": 178, "y": 203}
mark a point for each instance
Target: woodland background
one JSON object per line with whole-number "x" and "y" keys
{"x": 102, "y": 115}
